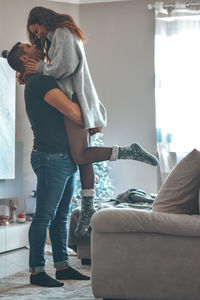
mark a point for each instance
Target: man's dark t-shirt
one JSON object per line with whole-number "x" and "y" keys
{"x": 46, "y": 121}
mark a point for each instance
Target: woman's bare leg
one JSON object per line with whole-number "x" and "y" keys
{"x": 78, "y": 141}
{"x": 84, "y": 156}
{"x": 80, "y": 150}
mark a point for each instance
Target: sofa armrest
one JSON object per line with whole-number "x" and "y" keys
{"x": 129, "y": 220}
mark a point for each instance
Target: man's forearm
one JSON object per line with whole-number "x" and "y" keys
{"x": 63, "y": 104}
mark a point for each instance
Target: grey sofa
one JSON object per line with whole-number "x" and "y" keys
{"x": 82, "y": 246}
{"x": 142, "y": 255}
{"x": 145, "y": 255}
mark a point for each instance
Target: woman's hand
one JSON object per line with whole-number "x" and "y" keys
{"x": 95, "y": 130}
{"x": 31, "y": 66}
{"x": 20, "y": 78}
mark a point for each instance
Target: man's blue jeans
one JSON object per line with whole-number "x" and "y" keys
{"x": 55, "y": 185}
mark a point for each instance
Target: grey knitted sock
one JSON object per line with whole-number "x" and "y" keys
{"x": 137, "y": 152}
{"x": 87, "y": 210}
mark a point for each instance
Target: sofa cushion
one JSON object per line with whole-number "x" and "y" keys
{"x": 131, "y": 220}
{"x": 179, "y": 193}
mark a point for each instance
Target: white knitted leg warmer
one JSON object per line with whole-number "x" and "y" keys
{"x": 88, "y": 193}
{"x": 114, "y": 155}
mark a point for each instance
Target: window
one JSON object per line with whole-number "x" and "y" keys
{"x": 177, "y": 73}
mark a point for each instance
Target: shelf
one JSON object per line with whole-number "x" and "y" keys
{"x": 14, "y": 236}
{"x": 14, "y": 225}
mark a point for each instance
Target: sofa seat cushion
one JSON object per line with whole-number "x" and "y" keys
{"x": 129, "y": 220}
{"x": 179, "y": 193}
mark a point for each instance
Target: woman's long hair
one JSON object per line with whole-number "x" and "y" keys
{"x": 51, "y": 20}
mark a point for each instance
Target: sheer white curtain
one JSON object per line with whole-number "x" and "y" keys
{"x": 177, "y": 88}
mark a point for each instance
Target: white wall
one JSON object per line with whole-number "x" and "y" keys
{"x": 120, "y": 50}
{"x": 120, "y": 40}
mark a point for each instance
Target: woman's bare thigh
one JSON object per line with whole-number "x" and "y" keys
{"x": 78, "y": 138}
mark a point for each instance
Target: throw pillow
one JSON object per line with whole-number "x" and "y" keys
{"x": 179, "y": 193}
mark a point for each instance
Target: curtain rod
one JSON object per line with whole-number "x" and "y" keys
{"x": 173, "y": 5}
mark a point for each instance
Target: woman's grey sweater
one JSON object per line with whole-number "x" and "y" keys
{"x": 69, "y": 67}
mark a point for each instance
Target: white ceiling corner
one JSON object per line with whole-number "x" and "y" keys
{"x": 88, "y": 1}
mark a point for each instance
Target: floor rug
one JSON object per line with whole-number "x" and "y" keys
{"x": 17, "y": 287}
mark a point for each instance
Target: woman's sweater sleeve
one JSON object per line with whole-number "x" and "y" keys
{"x": 64, "y": 56}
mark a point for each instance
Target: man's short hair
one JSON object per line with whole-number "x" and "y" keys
{"x": 14, "y": 58}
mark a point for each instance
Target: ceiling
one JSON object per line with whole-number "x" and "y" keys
{"x": 87, "y": 1}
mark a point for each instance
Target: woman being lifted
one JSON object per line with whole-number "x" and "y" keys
{"x": 64, "y": 59}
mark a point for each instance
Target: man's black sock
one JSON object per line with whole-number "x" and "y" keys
{"x": 70, "y": 273}
{"x": 42, "y": 279}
